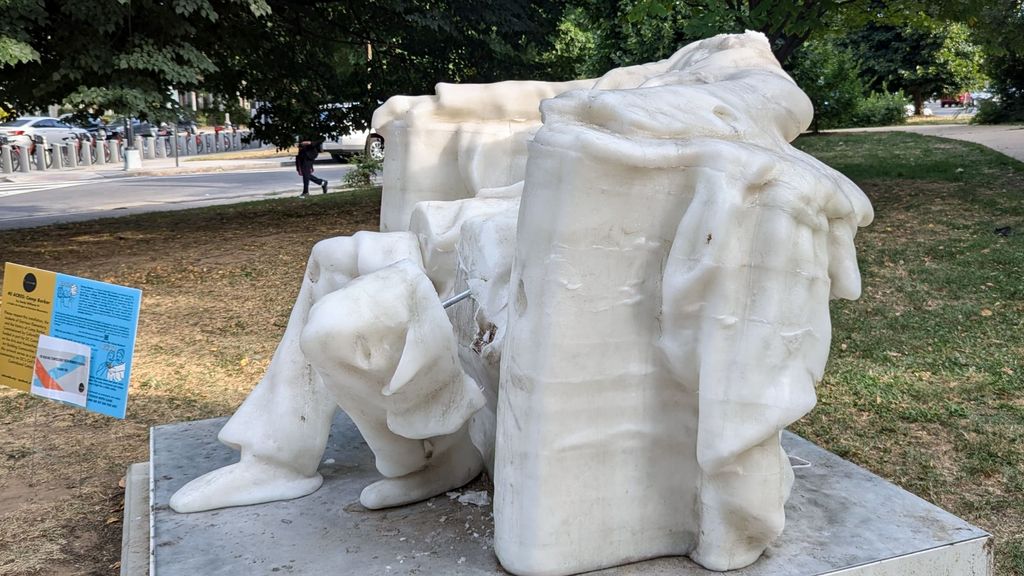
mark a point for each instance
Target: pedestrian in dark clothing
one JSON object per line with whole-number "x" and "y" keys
{"x": 307, "y": 154}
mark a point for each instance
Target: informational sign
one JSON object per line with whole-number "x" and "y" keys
{"x": 68, "y": 338}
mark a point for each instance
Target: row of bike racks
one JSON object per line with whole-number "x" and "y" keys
{"x": 40, "y": 155}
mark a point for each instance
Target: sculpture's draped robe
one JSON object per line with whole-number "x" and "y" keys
{"x": 669, "y": 314}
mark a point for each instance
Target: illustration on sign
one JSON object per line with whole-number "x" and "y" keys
{"x": 101, "y": 317}
{"x": 61, "y": 370}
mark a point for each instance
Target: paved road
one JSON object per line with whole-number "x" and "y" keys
{"x": 938, "y": 110}
{"x": 36, "y": 203}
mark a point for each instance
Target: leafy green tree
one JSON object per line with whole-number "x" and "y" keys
{"x": 1006, "y": 71}
{"x": 320, "y": 69}
{"x": 316, "y": 68}
{"x": 106, "y": 54}
{"x": 573, "y": 47}
{"x": 627, "y": 32}
{"x": 831, "y": 79}
{"x": 1003, "y": 38}
{"x": 925, "y": 60}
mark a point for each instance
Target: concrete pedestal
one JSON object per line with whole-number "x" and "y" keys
{"x": 841, "y": 520}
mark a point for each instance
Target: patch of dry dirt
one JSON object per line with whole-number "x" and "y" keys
{"x": 218, "y": 285}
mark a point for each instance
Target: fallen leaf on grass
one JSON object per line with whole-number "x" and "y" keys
{"x": 986, "y": 312}
{"x": 112, "y": 520}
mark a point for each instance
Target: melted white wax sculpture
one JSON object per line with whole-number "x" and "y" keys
{"x": 650, "y": 268}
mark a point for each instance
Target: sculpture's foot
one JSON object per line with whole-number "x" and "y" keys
{"x": 722, "y": 557}
{"x": 241, "y": 484}
{"x": 453, "y": 469}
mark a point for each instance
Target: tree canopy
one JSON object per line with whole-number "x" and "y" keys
{"x": 319, "y": 68}
{"x": 314, "y": 67}
{"x": 631, "y": 31}
{"x": 923, "y": 60}
{"x": 107, "y": 54}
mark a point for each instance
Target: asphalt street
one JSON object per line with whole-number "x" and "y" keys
{"x": 28, "y": 204}
{"x": 936, "y": 107}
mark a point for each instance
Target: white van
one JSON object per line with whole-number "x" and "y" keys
{"x": 363, "y": 142}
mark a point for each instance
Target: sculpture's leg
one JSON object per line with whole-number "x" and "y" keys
{"x": 454, "y": 463}
{"x": 386, "y": 352}
{"x": 742, "y": 507}
{"x": 282, "y": 427}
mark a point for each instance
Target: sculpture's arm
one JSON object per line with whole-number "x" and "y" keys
{"x": 767, "y": 239}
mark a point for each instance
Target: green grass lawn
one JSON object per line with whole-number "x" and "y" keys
{"x": 925, "y": 384}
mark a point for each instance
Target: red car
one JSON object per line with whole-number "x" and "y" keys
{"x": 958, "y": 100}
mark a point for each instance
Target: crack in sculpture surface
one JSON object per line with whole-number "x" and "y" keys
{"x": 651, "y": 267}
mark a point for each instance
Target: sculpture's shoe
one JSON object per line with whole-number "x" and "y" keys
{"x": 241, "y": 484}
{"x": 452, "y": 469}
{"x": 724, "y": 556}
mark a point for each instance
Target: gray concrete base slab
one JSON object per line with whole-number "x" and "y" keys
{"x": 840, "y": 520}
{"x": 135, "y": 534}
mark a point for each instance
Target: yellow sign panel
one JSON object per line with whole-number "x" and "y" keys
{"x": 26, "y": 313}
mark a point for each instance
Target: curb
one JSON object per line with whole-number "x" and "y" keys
{"x": 197, "y": 169}
{"x": 87, "y": 175}
{"x": 188, "y": 167}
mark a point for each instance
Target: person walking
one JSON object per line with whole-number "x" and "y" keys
{"x": 308, "y": 151}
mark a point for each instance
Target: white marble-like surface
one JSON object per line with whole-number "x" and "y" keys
{"x": 841, "y": 520}
{"x": 644, "y": 321}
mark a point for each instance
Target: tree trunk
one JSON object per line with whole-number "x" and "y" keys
{"x": 918, "y": 103}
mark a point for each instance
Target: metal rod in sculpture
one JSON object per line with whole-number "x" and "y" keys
{"x": 456, "y": 299}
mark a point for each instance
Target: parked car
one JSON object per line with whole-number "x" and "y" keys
{"x": 96, "y": 127}
{"x": 90, "y": 124}
{"x": 982, "y": 95}
{"x": 363, "y": 142}
{"x": 962, "y": 99}
{"x": 21, "y": 131}
{"x": 116, "y": 128}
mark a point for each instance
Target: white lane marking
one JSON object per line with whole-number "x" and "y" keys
{"x": 15, "y": 188}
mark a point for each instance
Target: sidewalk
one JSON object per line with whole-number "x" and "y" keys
{"x": 1008, "y": 139}
{"x": 155, "y": 167}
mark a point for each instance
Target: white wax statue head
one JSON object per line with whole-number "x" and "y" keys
{"x": 473, "y": 137}
{"x": 726, "y": 73}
